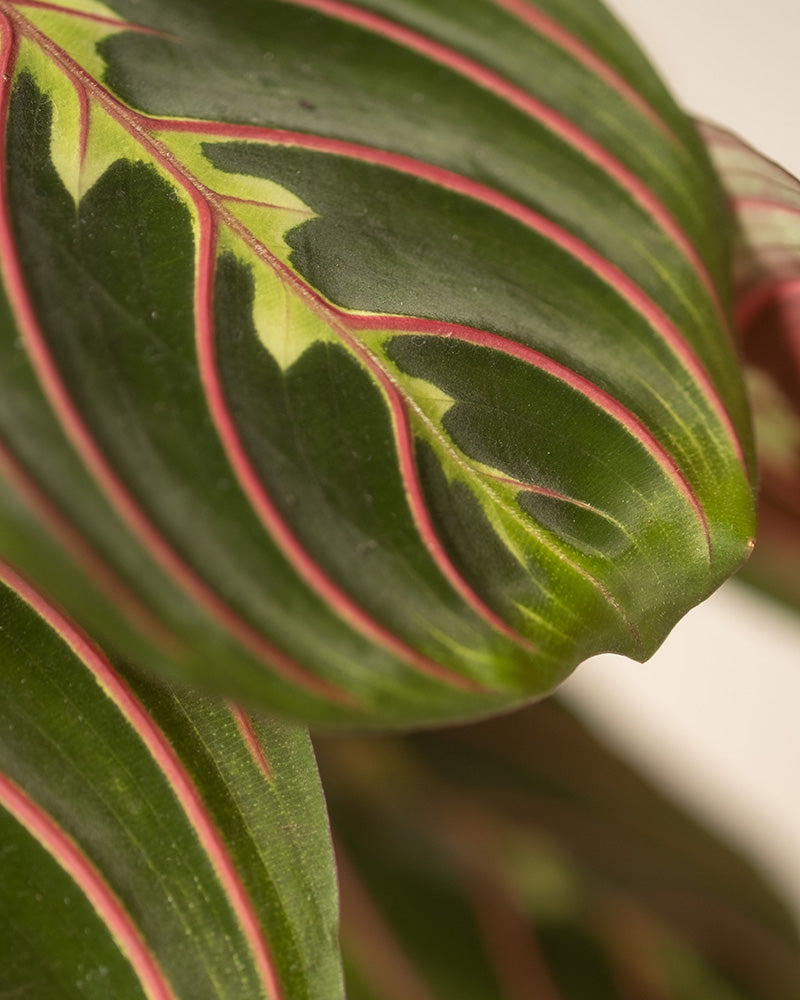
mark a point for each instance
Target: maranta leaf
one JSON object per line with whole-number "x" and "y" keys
{"x": 353, "y": 362}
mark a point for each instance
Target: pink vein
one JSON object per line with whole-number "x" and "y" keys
{"x": 755, "y": 164}
{"x": 168, "y": 761}
{"x": 248, "y": 734}
{"x": 344, "y": 605}
{"x": 551, "y": 494}
{"x": 233, "y": 199}
{"x": 416, "y": 497}
{"x": 603, "y": 400}
{"x": 556, "y": 33}
{"x": 83, "y": 114}
{"x": 751, "y": 304}
{"x": 744, "y": 205}
{"x": 91, "y": 883}
{"x": 600, "y": 266}
{"x": 772, "y": 290}
{"x": 94, "y": 458}
{"x": 84, "y": 554}
{"x": 556, "y": 123}
{"x": 428, "y": 531}
{"x": 112, "y": 22}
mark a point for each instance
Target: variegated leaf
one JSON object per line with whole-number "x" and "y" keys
{"x": 152, "y": 844}
{"x": 353, "y": 361}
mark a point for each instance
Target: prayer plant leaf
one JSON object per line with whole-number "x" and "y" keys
{"x": 765, "y": 204}
{"x": 519, "y": 858}
{"x": 155, "y": 845}
{"x": 365, "y": 361}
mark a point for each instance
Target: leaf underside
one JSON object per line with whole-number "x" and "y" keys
{"x": 351, "y": 362}
{"x": 765, "y": 203}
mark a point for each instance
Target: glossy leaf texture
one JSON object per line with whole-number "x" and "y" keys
{"x": 765, "y": 202}
{"x": 519, "y": 858}
{"x": 366, "y": 361}
{"x": 154, "y": 845}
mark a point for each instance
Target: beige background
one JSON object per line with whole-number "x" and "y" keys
{"x": 715, "y": 716}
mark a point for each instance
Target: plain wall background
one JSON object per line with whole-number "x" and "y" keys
{"x": 715, "y": 715}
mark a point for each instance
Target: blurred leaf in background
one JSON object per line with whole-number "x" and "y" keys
{"x": 765, "y": 203}
{"x": 519, "y": 858}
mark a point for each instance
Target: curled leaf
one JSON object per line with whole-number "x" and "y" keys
{"x": 765, "y": 204}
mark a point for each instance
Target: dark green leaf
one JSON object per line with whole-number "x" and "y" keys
{"x": 154, "y": 844}
{"x": 352, "y": 362}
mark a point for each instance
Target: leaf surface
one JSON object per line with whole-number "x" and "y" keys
{"x": 154, "y": 844}
{"x": 350, "y": 347}
{"x": 765, "y": 203}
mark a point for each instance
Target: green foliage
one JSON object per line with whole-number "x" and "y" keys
{"x": 354, "y": 368}
{"x": 461, "y": 402}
